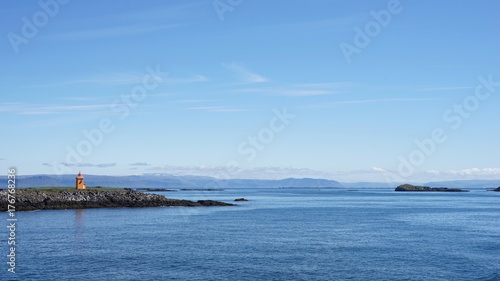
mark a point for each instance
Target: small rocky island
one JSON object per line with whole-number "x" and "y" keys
{"x": 410, "y": 187}
{"x": 62, "y": 198}
{"x": 496, "y": 189}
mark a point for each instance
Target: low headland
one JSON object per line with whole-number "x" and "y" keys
{"x": 151, "y": 189}
{"x": 28, "y": 199}
{"x": 410, "y": 187}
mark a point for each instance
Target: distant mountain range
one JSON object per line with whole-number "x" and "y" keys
{"x": 167, "y": 181}
{"x": 371, "y": 184}
{"x": 172, "y": 181}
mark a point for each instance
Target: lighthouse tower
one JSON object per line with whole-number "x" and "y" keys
{"x": 79, "y": 181}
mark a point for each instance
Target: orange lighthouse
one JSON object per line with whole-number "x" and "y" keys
{"x": 79, "y": 181}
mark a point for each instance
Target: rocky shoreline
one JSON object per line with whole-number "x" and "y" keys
{"x": 53, "y": 199}
{"x": 409, "y": 187}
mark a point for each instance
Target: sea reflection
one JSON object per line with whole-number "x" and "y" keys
{"x": 80, "y": 220}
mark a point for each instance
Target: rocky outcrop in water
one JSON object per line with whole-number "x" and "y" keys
{"x": 202, "y": 189}
{"x": 496, "y": 189}
{"x": 39, "y": 199}
{"x": 409, "y": 187}
{"x": 151, "y": 189}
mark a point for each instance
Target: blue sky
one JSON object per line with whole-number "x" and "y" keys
{"x": 252, "y": 89}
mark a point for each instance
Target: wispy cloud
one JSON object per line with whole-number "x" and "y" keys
{"x": 103, "y": 165}
{"x": 246, "y": 173}
{"x": 386, "y": 100}
{"x": 215, "y": 109}
{"x": 162, "y": 95}
{"x": 9, "y": 106}
{"x": 305, "y": 93}
{"x": 469, "y": 172}
{"x": 200, "y": 105}
{"x": 136, "y": 78}
{"x": 378, "y": 169}
{"x": 367, "y": 101}
{"x": 80, "y": 98}
{"x": 191, "y": 101}
{"x": 183, "y": 80}
{"x": 325, "y": 85}
{"x": 140, "y": 164}
{"x": 387, "y": 175}
{"x": 300, "y": 90}
{"x": 440, "y": 89}
{"x": 245, "y": 75}
{"x": 113, "y": 79}
{"x": 374, "y": 174}
{"x": 107, "y": 32}
{"x": 34, "y": 109}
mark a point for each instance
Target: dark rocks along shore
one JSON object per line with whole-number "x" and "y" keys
{"x": 41, "y": 199}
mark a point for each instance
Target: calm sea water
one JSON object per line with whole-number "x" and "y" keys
{"x": 282, "y": 234}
